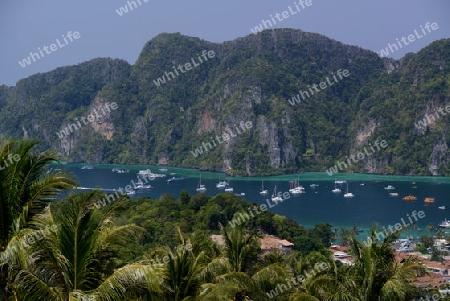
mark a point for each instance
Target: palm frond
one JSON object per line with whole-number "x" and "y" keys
{"x": 267, "y": 277}
{"x": 216, "y": 267}
{"x": 218, "y": 292}
{"x": 27, "y": 185}
{"x": 30, "y": 287}
{"x": 302, "y": 297}
{"x": 227, "y": 287}
{"x": 130, "y": 280}
{"x": 111, "y": 235}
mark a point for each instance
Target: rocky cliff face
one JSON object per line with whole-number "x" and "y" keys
{"x": 103, "y": 123}
{"x": 250, "y": 79}
{"x": 267, "y": 134}
{"x": 439, "y": 157}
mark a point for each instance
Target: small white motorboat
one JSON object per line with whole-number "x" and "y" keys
{"x": 221, "y": 184}
{"x": 229, "y": 189}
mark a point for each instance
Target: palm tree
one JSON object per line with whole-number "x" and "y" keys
{"x": 374, "y": 276}
{"x": 378, "y": 275}
{"x": 240, "y": 246}
{"x": 227, "y": 277}
{"x": 183, "y": 269}
{"x": 240, "y": 285}
{"x": 27, "y": 185}
{"x": 337, "y": 284}
{"x": 75, "y": 261}
{"x": 430, "y": 227}
{"x": 344, "y": 237}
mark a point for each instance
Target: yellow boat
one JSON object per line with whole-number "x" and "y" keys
{"x": 429, "y": 200}
{"x": 410, "y": 198}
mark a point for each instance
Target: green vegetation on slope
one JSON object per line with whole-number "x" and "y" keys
{"x": 249, "y": 79}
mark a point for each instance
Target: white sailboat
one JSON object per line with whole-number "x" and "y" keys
{"x": 263, "y": 191}
{"x": 348, "y": 194}
{"x": 201, "y": 187}
{"x": 275, "y": 197}
{"x": 296, "y": 187}
{"x": 336, "y": 190}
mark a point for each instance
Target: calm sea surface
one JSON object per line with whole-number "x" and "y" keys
{"x": 371, "y": 204}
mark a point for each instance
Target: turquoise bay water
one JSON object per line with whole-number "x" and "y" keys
{"x": 371, "y": 204}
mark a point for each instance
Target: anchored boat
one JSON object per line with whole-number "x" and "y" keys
{"x": 429, "y": 200}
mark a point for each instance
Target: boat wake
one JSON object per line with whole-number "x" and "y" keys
{"x": 95, "y": 188}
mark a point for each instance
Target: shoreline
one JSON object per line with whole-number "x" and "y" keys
{"x": 339, "y": 212}
{"x": 306, "y": 176}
